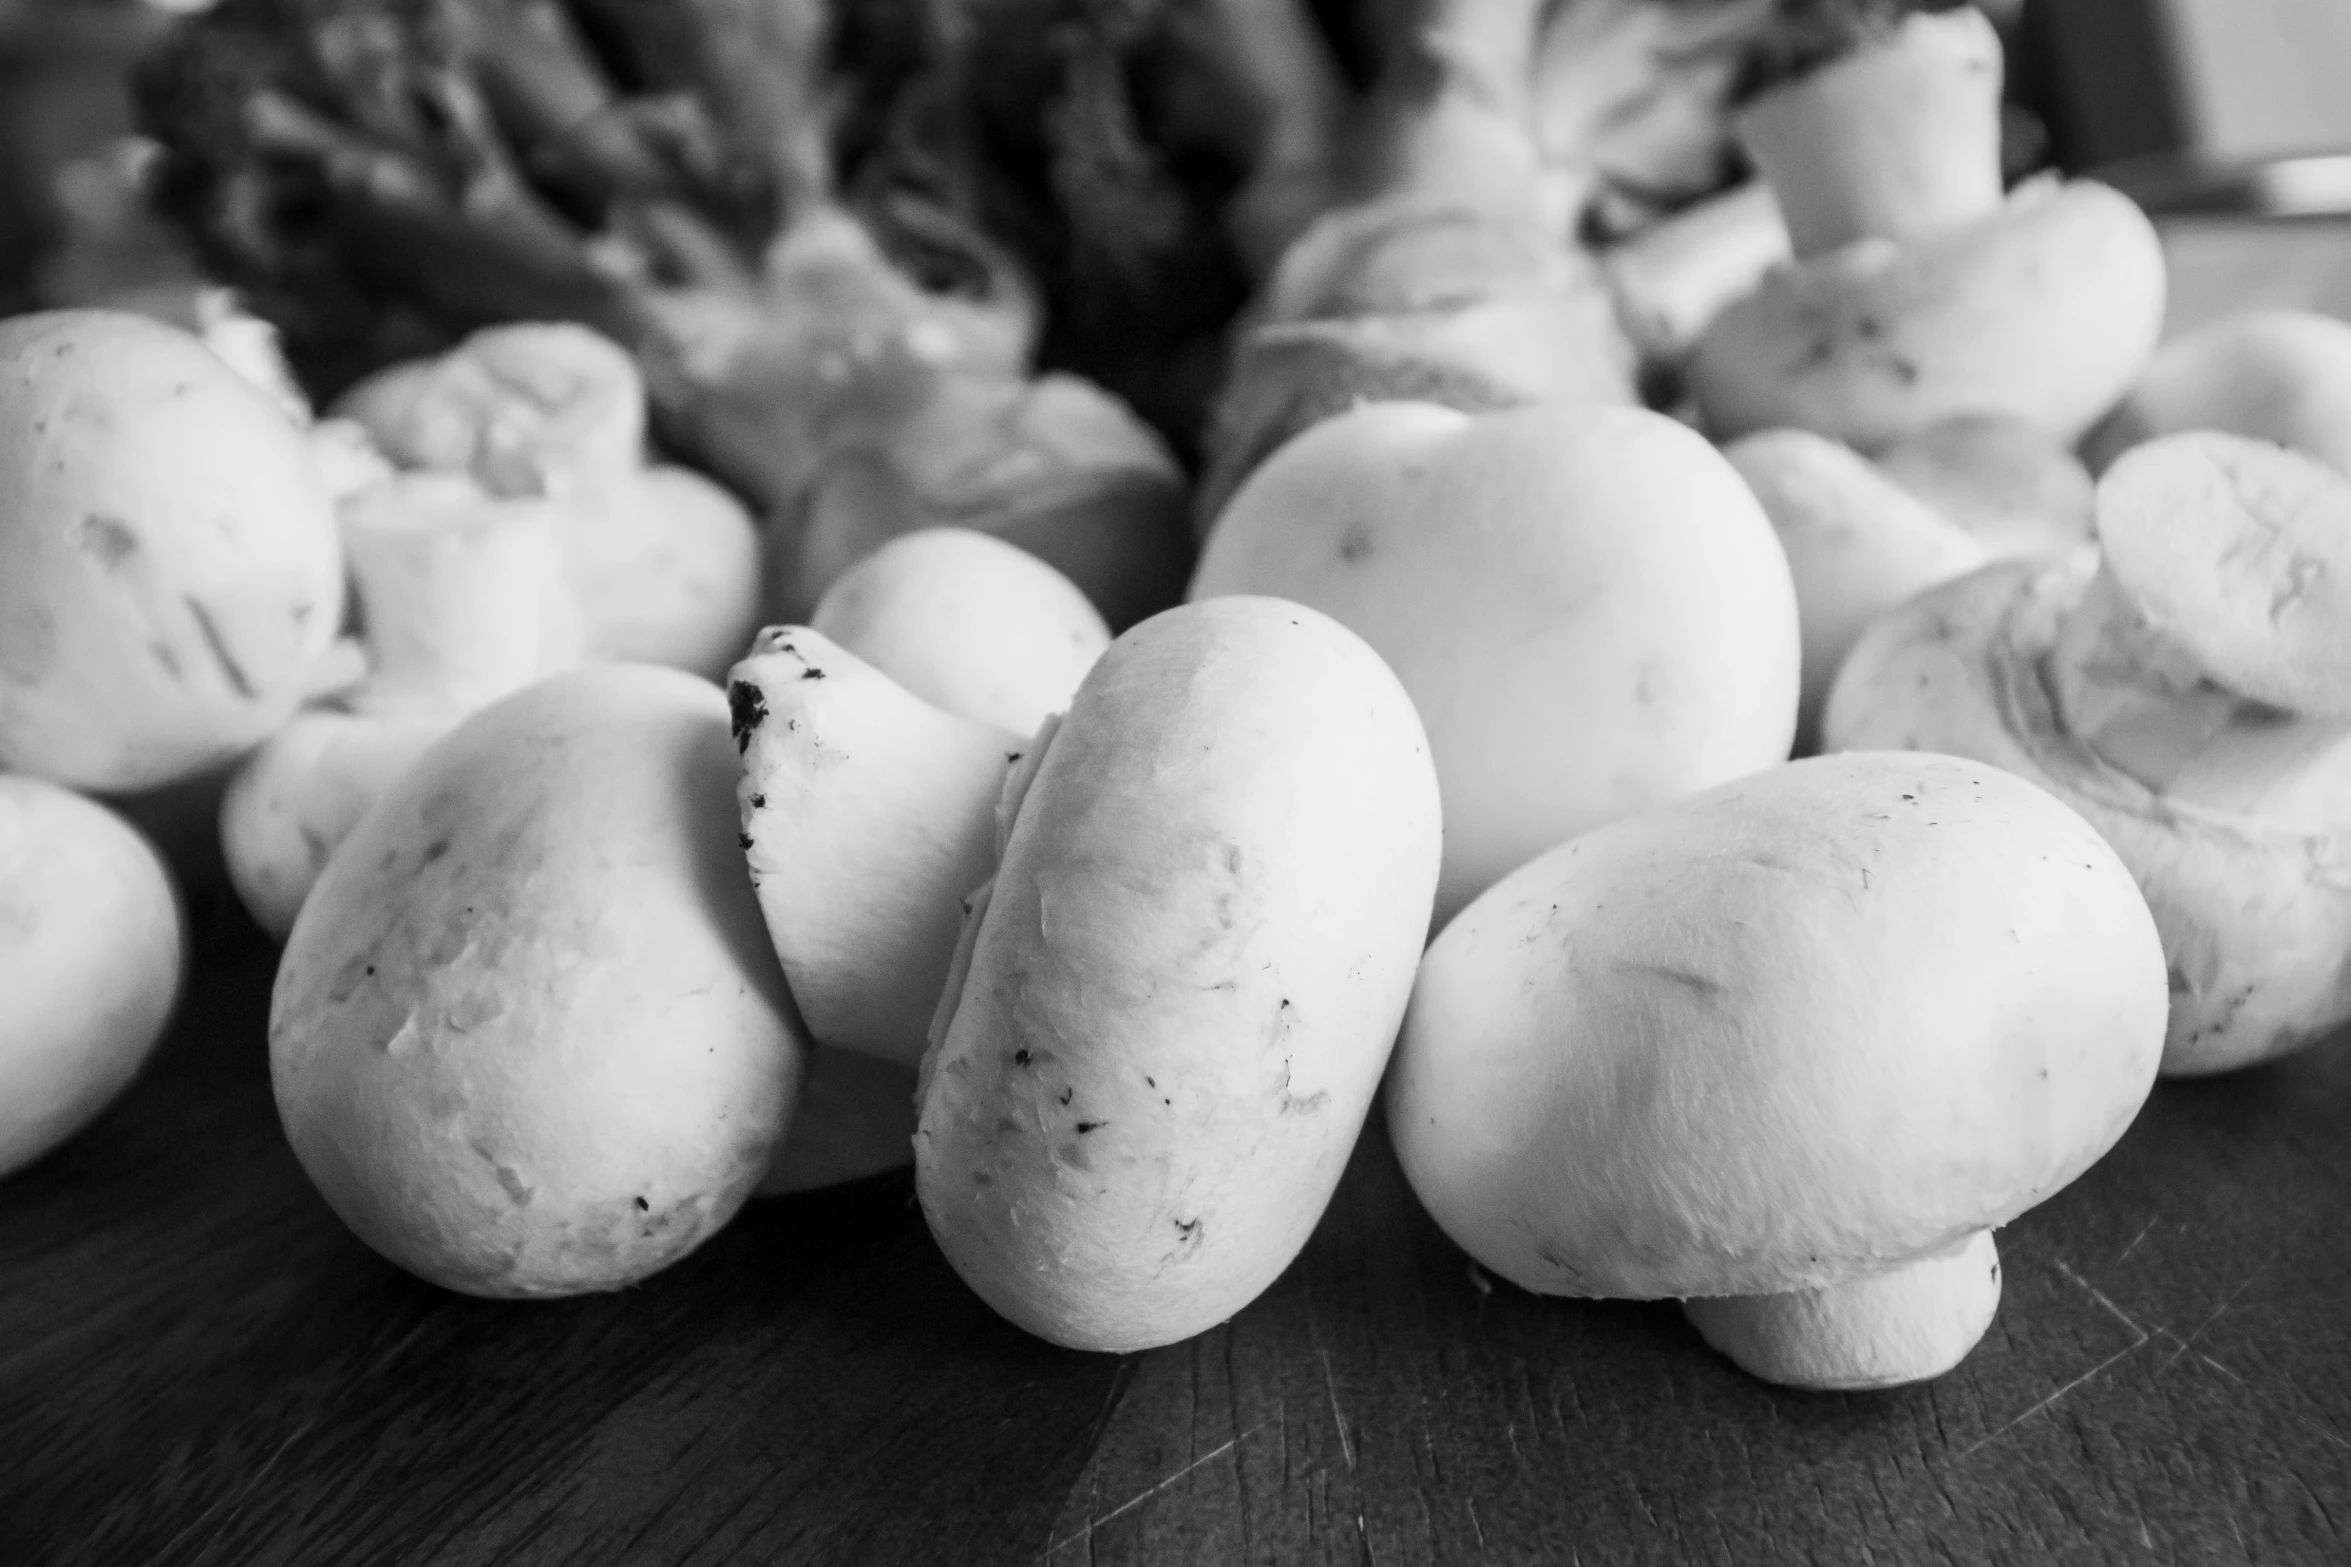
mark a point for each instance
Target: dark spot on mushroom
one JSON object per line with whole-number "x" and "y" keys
{"x": 1150, "y": 1080}
{"x": 371, "y": 968}
{"x": 1189, "y": 1229}
{"x": 1356, "y": 545}
{"x": 1087, "y": 1126}
{"x": 982, "y": 1178}
{"x": 1067, "y": 1094}
{"x": 812, "y": 673}
{"x": 743, "y": 842}
{"x": 759, "y": 802}
{"x": 643, "y": 1206}
{"x": 1904, "y": 370}
{"x": 219, "y": 649}
{"x": 1010, "y": 757}
{"x": 746, "y": 711}
{"x": 1020, "y": 1057}
{"x": 107, "y": 540}
{"x": 434, "y": 851}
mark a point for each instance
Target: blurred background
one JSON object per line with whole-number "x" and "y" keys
{"x": 2228, "y": 118}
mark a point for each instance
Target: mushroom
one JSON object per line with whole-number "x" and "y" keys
{"x": 868, "y": 816}
{"x": 2188, "y": 690}
{"x": 1786, "y": 1050}
{"x": 1857, "y": 545}
{"x": 92, "y": 955}
{"x": 2007, "y": 482}
{"x": 968, "y": 623}
{"x": 169, "y": 569}
{"x": 2280, "y": 375}
{"x": 1172, "y": 1005}
{"x": 1917, "y": 290}
{"x": 1585, "y": 602}
{"x": 665, "y": 563}
{"x": 464, "y": 599}
{"x": 527, "y": 1037}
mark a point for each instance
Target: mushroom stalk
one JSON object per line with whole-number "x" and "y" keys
{"x": 1897, "y": 139}
{"x": 1905, "y": 1325}
{"x": 462, "y": 595}
{"x": 1674, "y": 277}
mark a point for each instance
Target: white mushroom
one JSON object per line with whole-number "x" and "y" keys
{"x": 968, "y": 623}
{"x": 2279, "y": 375}
{"x": 91, "y": 960}
{"x": 1173, "y": 1004}
{"x": 2189, "y": 692}
{"x": 1918, "y": 291}
{"x": 1586, "y": 603}
{"x": 169, "y": 569}
{"x": 528, "y": 1038}
{"x": 1786, "y": 1050}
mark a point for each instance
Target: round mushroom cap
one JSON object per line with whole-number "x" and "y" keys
{"x": 970, "y": 624}
{"x": 1806, "y": 1026}
{"x": 91, "y": 958}
{"x": 2281, "y": 375}
{"x": 2045, "y": 310}
{"x": 169, "y": 566}
{"x": 2239, "y": 551}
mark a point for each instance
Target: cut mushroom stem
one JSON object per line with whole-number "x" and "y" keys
{"x": 1898, "y": 138}
{"x": 464, "y": 595}
{"x": 1674, "y": 277}
{"x": 1905, "y": 1325}
{"x": 2210, "y": 657}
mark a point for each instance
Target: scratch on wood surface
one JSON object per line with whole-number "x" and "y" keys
{"x": 1148, "y": 1492}
{"x": 2097, "y": 1370}
{"x": 1331, "y": 1386}
{"x": 1477, "y": 1528}
{"x": 2317, "y": 1428}
{"x": 2222, "y": 1309}
{"x": 2144, "y": 1231}
{"x": 2099, "y": 1295}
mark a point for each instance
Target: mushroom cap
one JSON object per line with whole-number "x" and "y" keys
{"x": 2007, "y": 482}
{"x": 1586, "y": 602}
{"x": 2046, "y": 310}
{"x": 2280, "y": 375}
{"x": 970, "y": 624}
{"x": 2255, "y": 916}
{"x": 528, "y": 1037}
{"x": 2239, "y": 551}
{"x": 91, "y": 959}
{"x": 1857, "y": 545}
{"x": 868, "y": 816}
{"x": 668, "y": 569}
{"x": 169, "y": 566}
{"x": 1179, "y": 992}
{"x": 1806, "y": 1026}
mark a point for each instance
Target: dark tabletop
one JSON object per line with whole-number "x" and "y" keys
{"x": 199, "y": 1364}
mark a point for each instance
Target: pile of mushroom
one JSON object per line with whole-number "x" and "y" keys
{"x": 666, "y": 564}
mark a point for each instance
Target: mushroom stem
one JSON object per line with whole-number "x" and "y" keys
{"x": 2140, "y": 701}
{"x": 464, "y": 596}
{"x": 1673, "y": 278}
{"x": 1905, "y": 1325}
{"x": 1899, "y": 138}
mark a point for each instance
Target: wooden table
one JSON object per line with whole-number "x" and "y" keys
{"x": 199, "y": 1364}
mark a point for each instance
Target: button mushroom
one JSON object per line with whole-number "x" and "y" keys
{"x": 528, "y": 1038}
{"x": 169, "y": 569}
{"x": 968, "y": 623}
{"x": 665, "y": 563}
{"x": 1917, "y": 291}
{"x": 2189, "y": 692}
{"x": 464, "y": 599}
{"x": 867, "y": 817}
{"x": 2279, "y": 375}
{"x": 1174, "y": 1002}
{"x": 1587, "y": 605}
{"x": 1785, "y": 1050}
{"x": 91, "y": 960}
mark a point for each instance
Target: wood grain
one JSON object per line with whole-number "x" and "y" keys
{"x": 199, "y": 1365}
